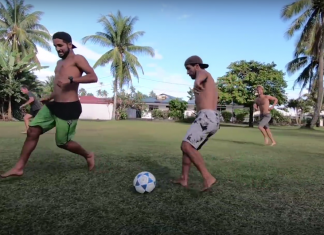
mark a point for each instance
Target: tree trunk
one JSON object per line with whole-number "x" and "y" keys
{"x": 319, "y": 85}
{"x": 2, "y": 111}
{"x": 9, "y": 109}
{"x": 115, "y": 101}
{"x": 251, "y": 116}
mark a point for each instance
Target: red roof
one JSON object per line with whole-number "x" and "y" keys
{"x": 95, "y": 100}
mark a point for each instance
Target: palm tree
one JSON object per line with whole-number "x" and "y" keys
{"x": 119, "y": 37}
{"x": 48, "y": 85}
{"x": 82, "y": 92}
{"x": 310, "y": 17}
{"x": 20, "y": 28}
{"x": 309, "y": 73}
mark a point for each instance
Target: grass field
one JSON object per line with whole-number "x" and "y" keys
{"x": 261, "y": 190}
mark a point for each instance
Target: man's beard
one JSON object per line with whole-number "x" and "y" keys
{"x": 65, "y": 54}
{"x": 194, "y": 77}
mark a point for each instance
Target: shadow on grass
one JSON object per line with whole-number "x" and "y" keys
{"x": 237, "y": 142}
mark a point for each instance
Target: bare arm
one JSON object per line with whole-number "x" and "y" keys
{"x": 200, "y": 79}
{"x": 274, "y": 99}
{"x": 83, "y": 64}
{"x": 31, "y": 100}
{"x": 255, "y": 106}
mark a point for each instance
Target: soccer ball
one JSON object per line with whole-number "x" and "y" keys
{"x": 144, "y": 182}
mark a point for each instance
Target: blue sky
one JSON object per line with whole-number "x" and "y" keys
{"x": 220, "y": 33}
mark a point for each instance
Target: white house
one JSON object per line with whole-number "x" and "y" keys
{"x": 162, "y": 102}
{"x": 94, "y": 108}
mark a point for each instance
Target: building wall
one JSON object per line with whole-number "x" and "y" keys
{"x": 96, "y": 111}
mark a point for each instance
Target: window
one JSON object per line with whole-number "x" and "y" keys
{"x": 151, "y": 107}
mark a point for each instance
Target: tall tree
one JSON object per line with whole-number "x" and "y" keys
{"x": 119, "y": 37}
{"x": 20, "y": 29}
{"x": 10, "y": 87}
{"x": 309, "y": 18}
{"x": 239, "y": 83}
{"x": 48, "y": 85}
{"x": 152, "y": 94}
{"x": 191, "y": 94}
{"x": 82, "y": 92}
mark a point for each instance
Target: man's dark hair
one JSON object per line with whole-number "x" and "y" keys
{"x": 24, "y": 87}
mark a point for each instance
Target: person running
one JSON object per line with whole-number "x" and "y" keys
{"x": 204, "y": 126}
{"x": 262, "y": 103}
{"x": 64, "y": 112}
{"x": 35, "y": 106}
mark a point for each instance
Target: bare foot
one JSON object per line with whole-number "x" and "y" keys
{"x": 273, "y": 144}
{"x": 180, "y": 181}
{"x": 91, "y": 161}
{"x": 12, "y": 172}
{"x": 209, "y": 183}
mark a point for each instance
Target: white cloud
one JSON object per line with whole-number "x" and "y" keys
{"x": 184, "y": 16}
{"x": 46, "y": 57}
{"x": 86, "y": 52}
{"x": 42, "y": 74}
{"x": 158, "y": 56}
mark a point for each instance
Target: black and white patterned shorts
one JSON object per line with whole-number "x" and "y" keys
{"x": 205, "y": 125}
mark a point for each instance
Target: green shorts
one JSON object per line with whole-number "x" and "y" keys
{"x": 65, "y": 129}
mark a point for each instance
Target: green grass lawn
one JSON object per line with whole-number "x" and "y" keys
{"x": 261, "y": 190}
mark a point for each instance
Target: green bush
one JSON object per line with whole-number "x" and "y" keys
{"x": 240, "y": 117}
{"x": 123, "y": 115}
{"x": 227, "y": 116}
{"x": 156, "y": 113}
{"x": 177, "y": 109}
{"x": 165, "y": 114}
{"x": 279, "y": 119}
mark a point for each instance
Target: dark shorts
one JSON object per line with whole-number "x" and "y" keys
{"x": 265, "y": 119}
{"x": 205, "y": 125}
{"x": 33, "y": 112}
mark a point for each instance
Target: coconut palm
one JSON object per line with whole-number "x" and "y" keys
{"x": 309, "y": 73}
{"x": 20, "y": 28}
{"x": 119, "y": 37}
{"x": 310, "y": 18}
{"x": 48, "y": 85}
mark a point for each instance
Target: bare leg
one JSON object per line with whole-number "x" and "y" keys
{"x": 264, "y": 133}
{"x": 31, "y": 141}
{"x": 27, "y": 117}
{"x": 198, "y": 161}
{"x": 186, "y": 164}
{"x": 74, "y": 147}
{"x": 271, "y": 137}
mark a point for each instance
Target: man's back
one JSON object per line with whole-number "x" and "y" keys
{"x": 208, "y": 98}
{"x": 36, "y": 104}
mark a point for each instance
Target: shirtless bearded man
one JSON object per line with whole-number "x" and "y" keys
{"x": 262, "y": 103}
{"x": 64, "y": 112}
{"x": 205, "y": 125}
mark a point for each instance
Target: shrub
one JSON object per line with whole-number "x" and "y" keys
{"x": 227, "y": 116}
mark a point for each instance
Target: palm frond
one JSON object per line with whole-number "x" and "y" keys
{"x": 296, "y": 64}
{"x": 295, "y": 8}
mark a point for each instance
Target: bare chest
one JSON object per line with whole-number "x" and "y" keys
{"x": 67, "y": 68}
{"x": 262, "y": 101}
